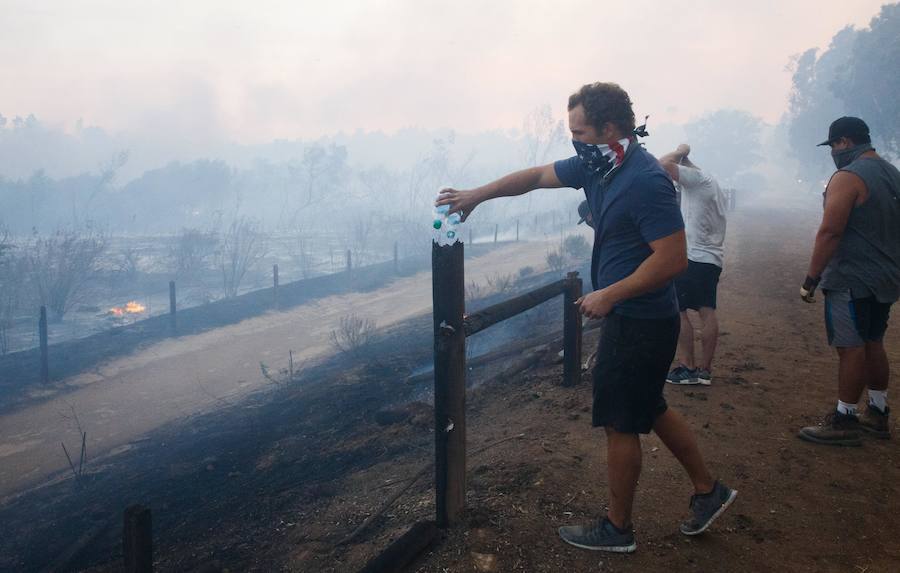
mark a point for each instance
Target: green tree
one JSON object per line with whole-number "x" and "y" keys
{"x": 869, "y": 83}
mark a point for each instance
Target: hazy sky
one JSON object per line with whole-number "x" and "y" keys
{"x": 257, "y": 70}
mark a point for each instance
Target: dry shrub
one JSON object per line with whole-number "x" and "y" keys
{"x": 353, "y": 335}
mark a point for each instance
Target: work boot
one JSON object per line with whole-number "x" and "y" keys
{"x": 876, "y": 422}
{"x": 707, "y": 507}
{"x": 600, "y": 535}
{"x": 836, "y": 429}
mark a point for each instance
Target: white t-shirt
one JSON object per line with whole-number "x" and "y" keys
{"x": 703, "y": 209}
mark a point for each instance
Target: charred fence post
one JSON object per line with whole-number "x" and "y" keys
{"x": 137, "y": 540}
{"x": 173, "y": 325}
{"x": 45, "y": 359}
{"x": 571, "y": 330}
{"x": 275, "y": 285}
{"x": 396, "y": 259}
{"x": 448, "y": 292}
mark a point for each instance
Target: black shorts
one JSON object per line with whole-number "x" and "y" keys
{"x": 696, "y": 287}
{"x": 633, "y": 359}
{"x": 853, "y": 322}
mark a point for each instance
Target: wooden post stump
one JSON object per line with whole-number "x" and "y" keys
{"x": 571, "y": 331}
{"x": 137, "y": 540}
{"x": 448, "y": 288}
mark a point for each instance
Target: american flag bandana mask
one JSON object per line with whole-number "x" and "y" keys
{"x": 601, "y": 158}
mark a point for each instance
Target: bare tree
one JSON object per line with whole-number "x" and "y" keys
{"x": 10, "y": 287}
{"x": 61, "y": 265}
{"x": 300, "y": 251}
{"x": 191, "y": 252}
{"x": 359, "y": 242}
{"x": 542, "y": 133}
{"x": 243, "y": 246}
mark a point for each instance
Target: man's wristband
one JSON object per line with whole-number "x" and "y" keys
{"x": 810, "y": 283}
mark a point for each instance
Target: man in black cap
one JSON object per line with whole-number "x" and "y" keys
{"x": 856, "y": 261}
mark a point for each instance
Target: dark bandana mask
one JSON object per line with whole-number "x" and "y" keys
{"x": 845, "y": 157}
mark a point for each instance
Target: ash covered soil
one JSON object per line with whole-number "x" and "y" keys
{"x": 276, "y": 481}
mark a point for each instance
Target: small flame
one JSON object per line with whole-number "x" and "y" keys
{"x": 130, "y": 307}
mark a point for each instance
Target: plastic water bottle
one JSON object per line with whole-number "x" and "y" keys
{"x": 446, "y": 225}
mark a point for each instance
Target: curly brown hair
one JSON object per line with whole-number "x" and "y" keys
{"x": 605, "y": 102}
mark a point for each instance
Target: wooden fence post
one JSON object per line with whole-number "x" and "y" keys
{"x": 496, "y": 226}
{"x": 275, "y": 285}
{"x": 396, "y": 259}
{"x": 517, "y": 230}
{"x": 571, "y": 331}
{"x": 448, "y": 288}
{"x": 470, "y": 235}
{"x": 45, "y": 359}
{"x": 349, "y": 262}
{"x": 172, "y": 320}
{"x": 137, "y": 540}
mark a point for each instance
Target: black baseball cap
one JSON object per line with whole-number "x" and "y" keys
{"x": 852, "y": 127}
{"x": 583, "y": 211}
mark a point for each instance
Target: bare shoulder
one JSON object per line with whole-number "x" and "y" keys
{"x": 846, "y": 185}
{"x": 845, "y": 181}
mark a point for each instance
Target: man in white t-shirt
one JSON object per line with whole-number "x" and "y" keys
{"x": 703, "y": 208}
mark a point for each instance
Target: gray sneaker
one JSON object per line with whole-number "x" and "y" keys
{"x": 704, "y": 376}
{"x": 600, "y": 535}
{"x": 707, "y": 507}
{"x": 682, "y": 376}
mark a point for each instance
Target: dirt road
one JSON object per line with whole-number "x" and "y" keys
{"x": 177, "y": 378}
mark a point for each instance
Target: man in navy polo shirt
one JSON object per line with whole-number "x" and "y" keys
{"x": 639, "y": 247}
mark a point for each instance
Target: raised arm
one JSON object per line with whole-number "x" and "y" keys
{"x": 464, "y": 201}
{"x": 671, "y": 160}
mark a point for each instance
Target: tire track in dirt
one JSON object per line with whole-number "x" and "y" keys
{"x": 177, "y": 378}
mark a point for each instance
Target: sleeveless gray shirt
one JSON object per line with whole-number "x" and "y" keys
{"x": 867, "y": 260}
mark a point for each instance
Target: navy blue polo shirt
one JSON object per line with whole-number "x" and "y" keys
{"x": 633, "y": 206}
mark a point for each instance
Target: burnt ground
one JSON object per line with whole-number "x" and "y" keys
{"x": 275, "y": 482}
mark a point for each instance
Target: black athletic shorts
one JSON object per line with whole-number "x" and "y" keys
{"x": 633, "y": 359}
{"x": 852, "y": 321}
{"x": 696, "y": 287}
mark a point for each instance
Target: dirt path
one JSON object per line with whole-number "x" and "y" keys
{"x": 128, "y": 397}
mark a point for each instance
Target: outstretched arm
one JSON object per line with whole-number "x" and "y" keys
{"x": 464, "y": 201}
